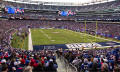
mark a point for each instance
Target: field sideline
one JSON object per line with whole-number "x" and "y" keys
{"x": 61, "y": 36}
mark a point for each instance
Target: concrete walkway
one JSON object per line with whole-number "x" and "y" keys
{"x": 30, "y": 46}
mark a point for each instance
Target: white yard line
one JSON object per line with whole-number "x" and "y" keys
{"x": 46, "y": 35}
{"x": 96, "y": 36}
{"x": 30, "y": 46}
{"x": 100, "y": 38}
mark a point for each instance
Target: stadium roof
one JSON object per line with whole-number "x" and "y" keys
{"x": 60, "y": 2}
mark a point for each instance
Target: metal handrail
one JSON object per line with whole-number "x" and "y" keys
{"x": 69, "y": 66}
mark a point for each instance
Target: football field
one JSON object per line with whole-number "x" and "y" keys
{"x": 61, "y": 36}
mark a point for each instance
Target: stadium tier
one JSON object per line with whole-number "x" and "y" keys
{"x": 41, "y": 36}
{"x": 92, "y": 7}
{"x": 108, "y": 11}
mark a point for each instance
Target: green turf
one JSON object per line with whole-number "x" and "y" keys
{"x": 18, "y": 42}
{"x": 25, "y": 46}
{"x": 60, "y": 36}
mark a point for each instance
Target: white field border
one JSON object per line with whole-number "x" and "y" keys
{"x": 30, "y": 45}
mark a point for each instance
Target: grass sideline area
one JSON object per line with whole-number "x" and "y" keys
{"x": 18, "y": 42}
{"x": 61, "y": 36}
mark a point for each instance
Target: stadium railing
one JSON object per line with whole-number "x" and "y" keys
{"x": 68, "y": 66}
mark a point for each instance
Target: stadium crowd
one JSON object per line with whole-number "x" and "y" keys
{"x": 103, "y": 29}
{"x": 101, "y": 60}
{"x": 18, "y": 60}
{"x": 22, "y": 60}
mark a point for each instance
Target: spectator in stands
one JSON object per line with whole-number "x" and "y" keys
{"x": 103, "y": 60}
